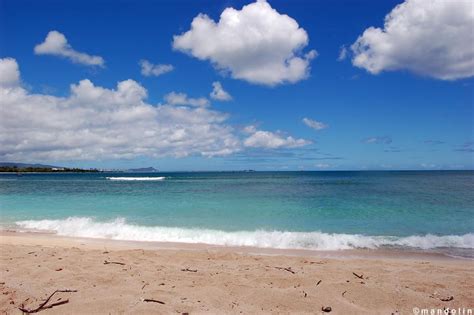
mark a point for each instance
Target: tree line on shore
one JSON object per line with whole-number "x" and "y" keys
{"x": 16, "y": 169}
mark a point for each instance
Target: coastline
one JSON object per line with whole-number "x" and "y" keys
{"x": 51, "y": 239}
{"x": 198, "y": 278}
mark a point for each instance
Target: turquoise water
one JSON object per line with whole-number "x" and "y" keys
{"x": 314, "y": 210}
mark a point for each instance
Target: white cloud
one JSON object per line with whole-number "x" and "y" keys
{"x": 148, "y": 69}
{"x": 429, "y": 165}
{"x": 378, "y": 140}
{"x": 218, "y": 92}
{"x": 343, "y": 53}
{"x": 431, "y": 38}
{"x": 316, "y": 125}
{"x": 249, "y": 129}
{"x": 256, "y": 44}
{"x": 56, "y": 44}
{"x": 174, "y": 98}
{"x": 99, "y": 123}
{"x": 10, "y": 73}
{"x": 270, "y": 140}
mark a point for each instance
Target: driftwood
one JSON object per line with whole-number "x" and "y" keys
{"x": 447, "y": 299}
{"x": 189, "y": 270}
{"x": 106, "y": 262}
{"x": 43, "y": 305}
{"x": 319, "y": 282}
{"x": 358, "y": 276}
{"x": 286, "y": 269}
{"x": 344, "y": 293}
{"x": 153, "y": 301}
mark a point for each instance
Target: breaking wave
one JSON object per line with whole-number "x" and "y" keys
{"x": 137, "y": 178}
{"x": 119, "y": 229}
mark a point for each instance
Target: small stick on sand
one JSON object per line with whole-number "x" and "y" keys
{"x": 113, "y": 262}
{"x": 189, "y": 270}
{"x": 286, "y": 269}
{"x": 43, "y": 306}
{"x": 344, "y": 293}
{"x": 153, "y": 300}
{"x": 358, "y": 276}
{"x": 319, "y": 282}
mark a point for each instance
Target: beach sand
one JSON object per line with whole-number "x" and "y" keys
{"x": 208, "y": 279}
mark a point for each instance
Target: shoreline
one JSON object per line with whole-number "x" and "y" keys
{"x": 52, "y": 239}
{"x": 118, "y": 276}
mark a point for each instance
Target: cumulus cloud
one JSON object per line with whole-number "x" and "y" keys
{"x": 148, "y": 69}
{"x": 316, "y": 125}
{"x": 10, "y": 72}
{"x": 431, "y": 38}
{"x": 271, "y": 140}
{"x": 174, "y": 98}
{"x": 56, "y": 44}
{"x": 378, "y": 140}
{"x": 256, "y": 44}
{"x": 93, "y": 122}
{"x": 218, "y": 93}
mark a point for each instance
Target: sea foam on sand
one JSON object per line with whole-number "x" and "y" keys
{"x": 119, "y": 229}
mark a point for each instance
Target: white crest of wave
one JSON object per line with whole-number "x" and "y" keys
{"x": 137, "y": 178}
{"x": 119, "y": 229}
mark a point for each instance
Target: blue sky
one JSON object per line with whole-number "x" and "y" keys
{"x": 407, "y": 108}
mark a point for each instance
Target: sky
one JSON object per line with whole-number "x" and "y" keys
{"x": 233, "y": 85}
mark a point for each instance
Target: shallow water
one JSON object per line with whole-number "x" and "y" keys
{"x": 306, "y": 210}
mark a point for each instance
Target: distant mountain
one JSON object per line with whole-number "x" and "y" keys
{"x": 143, "y": 170}
{"x": 23, "y": 165}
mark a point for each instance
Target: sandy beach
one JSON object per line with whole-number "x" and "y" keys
{"x": 129, "y": 277}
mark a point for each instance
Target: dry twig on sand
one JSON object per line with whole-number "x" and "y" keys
{"x": 43, "y": 305}
{"x": 358, "y": 276}
{"x": 153, "y": 301}
{"x": 106, "y": 262}
{"x": 286, "y": 269}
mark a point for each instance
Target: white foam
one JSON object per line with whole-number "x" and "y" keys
{"x": 119, "y": 229}
{"x": 137, "y": 178}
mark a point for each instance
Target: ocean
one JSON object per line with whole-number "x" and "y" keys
{"x": 417, "y": 210}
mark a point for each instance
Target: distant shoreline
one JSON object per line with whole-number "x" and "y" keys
{"x": 10, "y": 169}
{"x": 236, "y": 171}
